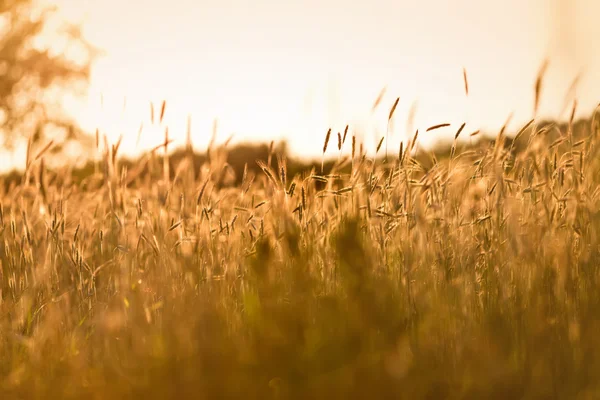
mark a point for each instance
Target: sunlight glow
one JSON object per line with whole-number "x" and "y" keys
{"x": 270, "y": 69}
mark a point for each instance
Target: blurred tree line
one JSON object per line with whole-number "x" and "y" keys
{"x": 41, "y": 56}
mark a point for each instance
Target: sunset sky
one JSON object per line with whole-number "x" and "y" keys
{"x": 272, "y": 68}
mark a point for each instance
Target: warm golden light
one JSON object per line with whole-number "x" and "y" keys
{"x": 272, "y": 69}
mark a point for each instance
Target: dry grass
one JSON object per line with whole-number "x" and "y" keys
{"x": 463, "y": 277}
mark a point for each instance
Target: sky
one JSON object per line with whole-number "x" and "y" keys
{"x": 272, "y": 69}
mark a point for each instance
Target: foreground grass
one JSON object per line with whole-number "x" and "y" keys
{"x": 472, "y": 276}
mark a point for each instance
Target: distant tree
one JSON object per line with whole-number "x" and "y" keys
{"x": 41, "y": 58}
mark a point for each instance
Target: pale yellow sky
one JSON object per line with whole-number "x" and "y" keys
{"x": 273, "y": 68}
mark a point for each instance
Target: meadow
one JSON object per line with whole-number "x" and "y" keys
{"x": 464, "y": 275}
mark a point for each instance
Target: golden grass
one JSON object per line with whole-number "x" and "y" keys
{"x": 473, "y": 275}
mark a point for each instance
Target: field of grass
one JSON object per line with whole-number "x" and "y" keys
{"x": 469, "y": 276}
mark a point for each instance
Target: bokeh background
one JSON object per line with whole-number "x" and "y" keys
{"x": 271, "y": 69}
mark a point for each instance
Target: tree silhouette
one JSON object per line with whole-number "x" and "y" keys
{"x": 41, "y": 57}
